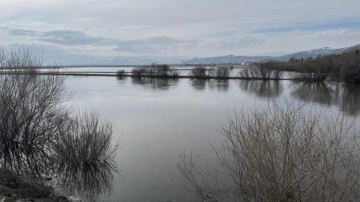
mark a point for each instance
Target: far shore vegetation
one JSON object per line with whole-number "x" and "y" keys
{"x": 344, "y": 67}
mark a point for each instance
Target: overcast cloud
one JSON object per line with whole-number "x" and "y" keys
{"x": 189, "y": 28}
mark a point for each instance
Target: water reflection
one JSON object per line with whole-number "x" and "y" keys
{"x": 79, "y": 160}
{"x": 198, "y": 84}
{"x": 346, "y": 97}
{"x": 155, "y": 83}
{"x": 221, "y": 85}
{"x": 88, "y": 184}
{"x": 262, "y": 88}
{"x": 84, "y": 156}
{"x": 121, "y": 79}
{"x": 351, "y": 99}
{"x": 320, "y": 93}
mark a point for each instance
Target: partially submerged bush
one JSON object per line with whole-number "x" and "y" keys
{"x": 222, "y": 72}
{"x": 120, "y": 73}
{"x": 198, "y": 72}
{"x": 138, "y": 72}
{"x": 260, "y": 73}
{"x": 351, "y": 72}
{"x": 85, "y": 155}
{"x": 30, "y": 117}
{"x": 202, "y": 72}
{"x": 35, "y": 127}
{"x": 311, "y": 76}
{"x": 313, "y": 71}
{"x": 286, "y": 153}
{"x": 155, "y": 71}
{"x": 160, "y": 70}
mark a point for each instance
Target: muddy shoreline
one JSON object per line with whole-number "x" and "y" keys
{"x": 15, "y": 188}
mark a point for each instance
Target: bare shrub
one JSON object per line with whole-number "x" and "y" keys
{"x": 39, "y": 138}
{"x": 311, "y": 77}
{"x": 313, "y": 71}
{"x": 285, "y": 153}
{"x": 138, "y": 72}
{"x": 211, "y": 72}
{"x": 222, "y": 72}
{"x": 2, "y": 58}
{"x": 260, "y": 73}
{"x": 120, "y": 73}
{"x": 30, "y": 115}
{"x": 351, "y": 71}
{"x": 155, "y": 70}
{"x": 85, "y": 155}
{"x": 160, "y": 70}
{"x": 245, "y": 73}
{"x": 198, "y": 72}
{"x": 19, "y": 59}
{"x": 193, "y": 177}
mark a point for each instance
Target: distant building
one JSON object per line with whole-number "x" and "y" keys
{"x": 248, "y": 62}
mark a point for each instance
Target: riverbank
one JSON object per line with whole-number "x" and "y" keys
{"x": 15, "y": 189}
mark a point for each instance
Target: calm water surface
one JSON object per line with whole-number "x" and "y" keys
{"x": 156, "y": 120}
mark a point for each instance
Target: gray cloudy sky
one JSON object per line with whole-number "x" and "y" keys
{"x": 179, "y": 27}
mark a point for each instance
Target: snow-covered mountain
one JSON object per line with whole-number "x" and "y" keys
{"x": 312, "y": 53}
{"x": 302, "y": 54}
{"x": 59, "y": 57}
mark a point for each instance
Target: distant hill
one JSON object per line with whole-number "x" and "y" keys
{"x": 226, "y": 59}
{"x": 238, "y": 59}
{"x": 53, "y": 56}
{"x": 75, "y": 60}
